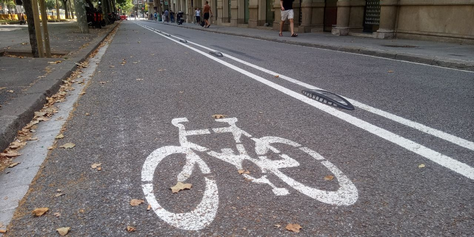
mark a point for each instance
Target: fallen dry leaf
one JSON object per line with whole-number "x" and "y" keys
{"x": 136, "y": 202}
{"x": 40, "y": 211}
{"x": 218, "y": 116}
{"x": 58, "y": 194}
{"x": 96, "y": 165}
{"x": 63, "y": 230}
{"x": 149, "y": 207}
{"x": 293, "y": 227}
{"x": 87, "y": 114}
{"x": 421, "y": 166}
{"x": 3, "y": 231}
{"x": 16, "y": 145}
{"x": 10, "y": 154}
{"x": 131, "y": 229}
{"x": 60, "y": 136}
{"x": 13, "y": 164}
{"x": 51, "y": 148}
{"x": 57, "y": 214}
{"x": 328, "y": 177}
{"x": 82, "y": 93}
{"x": 277, "y": 76}
{"x": 10, "y": 91}
{"x": 244, "y": 172}
{"x": 277, "y": 225}
{"x": 390, "y": 71}
{"x": 68, "y": 145}
{"x": 180, "y": 186}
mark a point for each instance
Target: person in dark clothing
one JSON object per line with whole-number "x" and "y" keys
{"x": 207, "y": 10}
{"x": 287, "y": 13}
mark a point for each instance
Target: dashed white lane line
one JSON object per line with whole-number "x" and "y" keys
{"x": 412, "y": 146}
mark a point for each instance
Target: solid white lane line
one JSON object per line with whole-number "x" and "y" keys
{"x": 412, "y": 146}
{"x": 412, "y": 124}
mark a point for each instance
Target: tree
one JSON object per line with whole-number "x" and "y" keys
{"x": 31, "y": 27}
{"x": 125, "y": 5}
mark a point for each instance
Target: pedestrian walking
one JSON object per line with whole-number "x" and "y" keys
{"x": 197, "y": 13}
{"x": 207, "y": 12}
{"x": 287, "y": 13}
{"x": 167, "y": 16}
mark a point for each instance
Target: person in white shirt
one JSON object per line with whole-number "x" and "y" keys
{"x": 197, "y": 13}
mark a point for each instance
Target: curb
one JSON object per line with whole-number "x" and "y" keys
{"x": 17, "y": 114}
{"x": 357, "y": 50}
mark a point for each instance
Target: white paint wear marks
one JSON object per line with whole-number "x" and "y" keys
{"x": 412, "y": 146}
{"x": 206, "y": 210}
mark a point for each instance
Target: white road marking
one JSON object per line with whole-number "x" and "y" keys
{"x": 412, "y": 146}
{"x": 35, "y": 152}
{"x": 418, "y": 126}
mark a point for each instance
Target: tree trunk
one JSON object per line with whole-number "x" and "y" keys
{"x": 31, "y": 27}
{"x": 66, "y": 11}
{"x": 81, "y": 16}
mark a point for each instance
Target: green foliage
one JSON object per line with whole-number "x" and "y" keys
{"x": 125, "y": 5}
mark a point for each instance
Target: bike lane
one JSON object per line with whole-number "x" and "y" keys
{"x": 145, "y": 81}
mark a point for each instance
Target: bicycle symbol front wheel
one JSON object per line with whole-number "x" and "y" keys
{"x": 205, "y": 211}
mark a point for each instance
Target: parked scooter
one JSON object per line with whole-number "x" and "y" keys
{"x": 179, "y": 18}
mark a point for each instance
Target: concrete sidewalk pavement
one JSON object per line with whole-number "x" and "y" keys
{"x": 460, "y": 56}
{"x": 25, "y": 82}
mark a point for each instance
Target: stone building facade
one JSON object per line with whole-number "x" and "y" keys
{"x": 440, "y": 20}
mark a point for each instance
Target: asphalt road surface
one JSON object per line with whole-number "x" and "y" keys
{"x": 400, "y": 163}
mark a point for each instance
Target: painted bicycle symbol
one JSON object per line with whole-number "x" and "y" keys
{"x": 206, "y": 210}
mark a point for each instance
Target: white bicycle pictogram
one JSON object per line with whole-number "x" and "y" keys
{"x": 206, "y": 210}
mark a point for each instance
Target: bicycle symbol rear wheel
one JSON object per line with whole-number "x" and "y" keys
{"x": 205, "y": 211}
{"x": 346, "y": 194}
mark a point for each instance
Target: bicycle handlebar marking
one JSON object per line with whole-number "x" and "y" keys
{"x": 206, "y": 210}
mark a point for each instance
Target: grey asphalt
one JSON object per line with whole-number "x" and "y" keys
{"x": 130, "y": 118}
{"x": 25, "y": 82}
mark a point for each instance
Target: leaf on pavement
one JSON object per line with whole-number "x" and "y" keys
{"x": 277, "y": 225}
{"x": 136, "y": 202}
{"x": 60, "y": 136}
{"x": 10, "y": 154}
{"x": 59, "y": 194}
{"x": 149, "y": 207}
{"x": 68, "y": 145}
{"x": 3, "y": 231}
{"x": 421, "y": 166}
{"x": 13, "y": 164}
{"x": 293, "y": 227}
{"x": 63, "y": 231}
{"x": 57, "y": 214}
{"x": 82, "y": 93}
{"x": 16, "y": 145}
{"x": 218, "y": 116}
{"x": 131, "y": 229}
{"x": 328, "y": 177}
{"x": 390, "y": 71}
{"x": 96, "y": 165}
{"x": 277, "y": 76}
{"x": 40, "y": 211}
{"x": 180, "y": 186}
{"x": 244, "y": 172}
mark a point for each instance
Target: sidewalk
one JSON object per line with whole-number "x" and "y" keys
{"x": 25, "y": 82}
{"x": 451, "y": 55}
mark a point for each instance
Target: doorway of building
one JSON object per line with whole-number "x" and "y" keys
{"x": 270, "y": 14}
{"x": 330, "y": 14}
{"x": 371, "y": 16}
